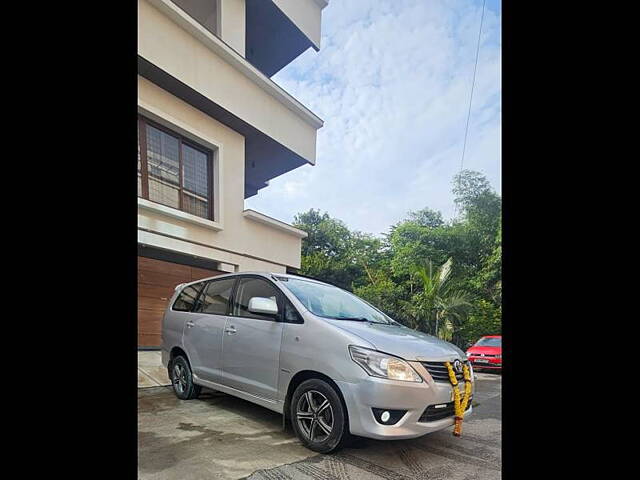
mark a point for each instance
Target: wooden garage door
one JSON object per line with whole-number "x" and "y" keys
{"x": 157, "y": 281}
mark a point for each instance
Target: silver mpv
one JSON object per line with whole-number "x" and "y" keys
{"x": 328, "y": 361}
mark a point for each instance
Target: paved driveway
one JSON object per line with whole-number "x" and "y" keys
{"x": 151, "y": 372}
{"x": 221, "y": 437}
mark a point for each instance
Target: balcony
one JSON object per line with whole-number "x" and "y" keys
{"x": 183, "y": 57}
{"x": 249, "y": 238}
{"x": 278, "y": 31}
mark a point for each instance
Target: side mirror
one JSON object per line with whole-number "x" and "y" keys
{"x": 262, "y": 305}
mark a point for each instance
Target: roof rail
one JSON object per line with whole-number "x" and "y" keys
{"x": 307, "y": 276}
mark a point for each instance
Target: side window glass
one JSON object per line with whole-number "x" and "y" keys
{"x": 186, "y": 299}
{"x": 291, "y": 315}
{"x": 253, "y": 287}
{"x": 215, "y": 298}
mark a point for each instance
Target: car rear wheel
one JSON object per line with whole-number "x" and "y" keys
{"x": 182, "y": 379}
{"x": 318, "y": 416}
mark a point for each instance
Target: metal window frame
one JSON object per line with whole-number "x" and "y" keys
{"x": 144, "y": 166}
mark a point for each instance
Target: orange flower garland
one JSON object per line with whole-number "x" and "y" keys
{"x": 459, "y": 405}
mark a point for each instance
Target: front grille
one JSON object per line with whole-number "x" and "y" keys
{"x": 433, "y": 414}
{"x": 483, "y": 355}
{"x": 439, "y": 372}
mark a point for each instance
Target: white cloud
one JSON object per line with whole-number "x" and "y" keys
{"x": 392, "y": 82}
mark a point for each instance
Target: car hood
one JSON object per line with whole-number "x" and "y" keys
{"x": 403, "y": 342}
{"x": 486, "y": 350}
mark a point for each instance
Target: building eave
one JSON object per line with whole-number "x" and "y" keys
{"x": 273, "y": 223}
{"x": 233, "y": 58}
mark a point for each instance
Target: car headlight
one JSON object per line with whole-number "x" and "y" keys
{"x": 469, "y": 354}
{"x": 499, "y": 356}
{"x": 378, "y": 364}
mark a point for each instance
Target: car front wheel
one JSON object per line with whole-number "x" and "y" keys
{"x": 318, "y": 416}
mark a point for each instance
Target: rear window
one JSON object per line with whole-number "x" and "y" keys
{"x": 489, "y": 342}
{"x": 186, "y": 299}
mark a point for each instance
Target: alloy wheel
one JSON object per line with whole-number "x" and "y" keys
{"x": 314, "y": 416}
{"x": 179, "y": 378}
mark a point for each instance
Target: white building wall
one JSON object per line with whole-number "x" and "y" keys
{"x": 234, "y": 238}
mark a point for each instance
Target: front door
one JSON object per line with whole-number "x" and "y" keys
{"x": 204, "y": 328}
{"x": 251, "y": 344}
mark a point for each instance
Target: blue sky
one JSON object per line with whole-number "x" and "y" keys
{"x": 392, "y": 82}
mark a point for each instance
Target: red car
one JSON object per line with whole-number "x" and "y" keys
{"x": 486, "y": 354}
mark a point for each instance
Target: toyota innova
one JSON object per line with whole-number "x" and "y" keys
{"x": 331, "y": 363}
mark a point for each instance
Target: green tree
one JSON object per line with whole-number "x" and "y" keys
{"x": 488, "y": 281}
{"x": 438, "y": 305}
{"x": 427, "y": 218}
{"x": 485, "y": 318}
{"x": 385, "y": 294}
{"x": 466, "y": 305}
{"x": 480, "y": 209}
{"x": 326, "y": 235}
{"x": 334, "y": 254}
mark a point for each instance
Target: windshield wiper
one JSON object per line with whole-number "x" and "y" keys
{"x": 358, "y": 319}
{"x": 355, "y": 319}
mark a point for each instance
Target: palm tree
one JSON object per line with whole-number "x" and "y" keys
{"x": 437, "y": 303}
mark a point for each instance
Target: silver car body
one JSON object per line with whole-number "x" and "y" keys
{"x": 256, "y": 360}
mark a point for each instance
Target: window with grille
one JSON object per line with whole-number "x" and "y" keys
{"x": 174, "y": 171}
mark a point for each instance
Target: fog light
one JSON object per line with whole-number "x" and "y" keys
{"x": 388, "y": 417}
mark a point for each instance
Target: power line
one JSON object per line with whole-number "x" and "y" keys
{"x": 473, "y": 83}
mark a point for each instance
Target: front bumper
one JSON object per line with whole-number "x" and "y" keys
{"x": 371, "y": 392}
{"x": 492, "y": 363}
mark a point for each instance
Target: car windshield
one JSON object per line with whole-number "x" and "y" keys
{"x": 333, "y": 302}
{"x": 489, "y": 342}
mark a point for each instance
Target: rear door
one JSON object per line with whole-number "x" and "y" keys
{"x": 203, "y": 330}
{"x": 251, "y": 345}
{"x": 179, "y": 313}
{"x": 157, "y": 280}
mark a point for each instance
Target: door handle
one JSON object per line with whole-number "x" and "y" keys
{"x": 190, "y": 324}
{"x": 230, "y": 330}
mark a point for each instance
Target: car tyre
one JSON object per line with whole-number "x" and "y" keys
{"x": 318, "y": 416}
{"x": 182, "y": 379}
